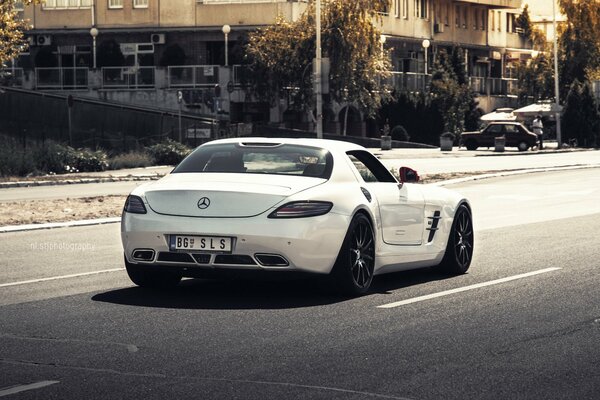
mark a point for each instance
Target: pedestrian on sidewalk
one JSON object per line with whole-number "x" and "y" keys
{"x": 538, "y": 129}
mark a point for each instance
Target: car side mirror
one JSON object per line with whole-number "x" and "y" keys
{"x": 408, "y": 175}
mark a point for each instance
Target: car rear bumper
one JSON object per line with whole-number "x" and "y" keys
{"x": 259, "y": 243}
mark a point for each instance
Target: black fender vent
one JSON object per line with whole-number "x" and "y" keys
{"x": 433, "y": 224}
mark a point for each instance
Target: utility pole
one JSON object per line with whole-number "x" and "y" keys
{"x": 556, "y": 87}
{"x": 319, "y": 93}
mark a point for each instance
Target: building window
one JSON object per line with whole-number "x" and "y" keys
{"x": 457, "y": 16}
{"x": 483, "y": 21}
{"x": 405, "y": 9}
{"x": 140, "y": 3}
{"x": 396, "y": 8}
{"x": 115, "y": 3}
{"x": 511, "y": 23}
{"x": 499, "y": 25}
{"x": 19, "y": 6}
{"x": 493, "y": 22}
{"x": 447, "y": 15}
{"x": 421, "y": 9}
{"x": 66, "y": 4}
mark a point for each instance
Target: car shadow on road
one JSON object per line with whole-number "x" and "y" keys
{"x": 226, "y": 294}
{"x": 213, "y": 294}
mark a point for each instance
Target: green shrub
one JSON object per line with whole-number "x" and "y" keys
{"x": 168, "y": 152}
{"x": 59, "y": 159}
{"x": 14, "y": 159}
{"x": 399, "y": 133}
{"x": 133, "y": 159}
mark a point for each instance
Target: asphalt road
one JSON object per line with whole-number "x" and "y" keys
{"x": 524, "y": 323}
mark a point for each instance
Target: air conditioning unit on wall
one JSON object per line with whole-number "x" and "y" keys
{"x": 43, "y": 40}
{"x": 157, "y": 38}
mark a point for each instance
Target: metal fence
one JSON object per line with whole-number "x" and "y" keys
{"x": 242, "y": 74}
{"x": 61, "y": 78}
{"x": 192, "y": 76}
{"x": 410, "y": 81}
{"x": 128, "y": 77}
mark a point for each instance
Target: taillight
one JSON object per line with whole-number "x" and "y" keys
{"x": 135, "y": 205}
{"x": 300, "y": 209}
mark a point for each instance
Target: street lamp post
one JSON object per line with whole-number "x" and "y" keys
{"x": 426, "y": 43}
{"x": 226, "y": 29}
{"x": 556, "y": 87}
{"x": 94, "y": 34}
{"x": 180, "y": 101}
{"x": 382, "y": 40}
{"x": 318, "y": 55}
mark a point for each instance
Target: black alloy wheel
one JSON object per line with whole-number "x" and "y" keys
{"x": 353, "y": 271}
{"x": 459, "y": 250}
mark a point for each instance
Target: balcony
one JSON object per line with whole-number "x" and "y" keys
{"x": 192, "y": 76}
{"x": 496, "y": 3}
{"x": 61, "y": 78}
{"x": 128, "y": 78}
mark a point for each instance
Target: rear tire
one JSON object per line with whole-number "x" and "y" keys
{"x": 471, "y": 144}
{"x": 150, "y": 277}
{"x": 459, "y": 250}
{"x": 352, "y": 273}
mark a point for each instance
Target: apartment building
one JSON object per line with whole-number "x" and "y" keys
{"x": 161, "y": 40}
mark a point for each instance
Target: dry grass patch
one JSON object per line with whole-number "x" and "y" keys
{"x": 61, "y": 210}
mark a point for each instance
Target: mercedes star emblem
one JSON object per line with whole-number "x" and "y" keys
{"x": 203, "y": 203}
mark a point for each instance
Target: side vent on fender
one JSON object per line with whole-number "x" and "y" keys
{"x": 433, "y": 225}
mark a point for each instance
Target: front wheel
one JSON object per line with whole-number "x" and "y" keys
{"x": 459, "y": 250}
{"x": 523, "y": 146}
{"x": 149, "y": 277}
{"x": 352, "y": 273}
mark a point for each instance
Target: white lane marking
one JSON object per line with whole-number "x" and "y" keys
{"x": 53, "y": 278}
{"x": 465, "y": 288}
{"x": 22, "y": 388}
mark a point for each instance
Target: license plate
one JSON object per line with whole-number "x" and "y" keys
{"x": 202, "y": 243}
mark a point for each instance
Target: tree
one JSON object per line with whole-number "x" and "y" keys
{"x": 529, "y": 31}
{"x": 450, "y": 91}
{"x": 110, "y": 54}
{"x": 173, "y": 55}
{"x": 12, "y": 41}
{"x": 581, "y": 119}
{"x": 579, "y": 40}
{"x": 281, "y": 56}
{"x": 535, "y": 79}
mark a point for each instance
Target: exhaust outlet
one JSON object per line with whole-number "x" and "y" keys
{"x": 271, "y": 260}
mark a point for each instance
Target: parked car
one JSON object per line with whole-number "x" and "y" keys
{"x": 283, "y": 205}
{"x": 515, "y": 133}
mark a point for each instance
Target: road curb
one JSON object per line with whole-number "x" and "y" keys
{"x": 102, "y": 221}
{"x": 510, "y": 173}
{"x": 69, "y": 224}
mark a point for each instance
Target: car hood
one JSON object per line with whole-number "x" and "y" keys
{"x": 222, "y": 194}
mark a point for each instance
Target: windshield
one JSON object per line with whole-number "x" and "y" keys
{"x": 259, "y": 158}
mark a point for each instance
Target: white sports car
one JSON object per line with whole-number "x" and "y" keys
{"x": 316, "y": 206}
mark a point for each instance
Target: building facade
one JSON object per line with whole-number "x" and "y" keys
{"x": 178, "y": 48}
